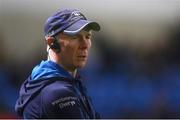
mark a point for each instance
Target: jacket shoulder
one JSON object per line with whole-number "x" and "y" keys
{"x": 57, "y": 88}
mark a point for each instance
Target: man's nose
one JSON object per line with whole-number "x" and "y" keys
{"x": 85, "y": 44}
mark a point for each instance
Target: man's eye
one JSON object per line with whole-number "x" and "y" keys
{"x": 88, "y": 37}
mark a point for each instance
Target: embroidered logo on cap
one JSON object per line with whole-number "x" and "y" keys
{"x": 76, "y": 13}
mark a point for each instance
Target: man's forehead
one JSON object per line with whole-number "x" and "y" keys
{"x": 84, "y": 31}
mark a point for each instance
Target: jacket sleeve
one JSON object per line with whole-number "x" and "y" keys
{"x": 60, "y": 103}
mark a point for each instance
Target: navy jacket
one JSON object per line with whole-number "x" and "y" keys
{"x": 51, "y": 92}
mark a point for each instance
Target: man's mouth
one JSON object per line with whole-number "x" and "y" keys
{"x": 82, "y": 57}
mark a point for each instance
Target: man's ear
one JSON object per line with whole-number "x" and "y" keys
{"x": 49, "y": 40}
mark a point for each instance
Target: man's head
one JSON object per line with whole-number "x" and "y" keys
{"x": 69, "y": 21}
{"x": 68, "y": 34}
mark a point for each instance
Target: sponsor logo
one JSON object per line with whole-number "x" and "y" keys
{"x": 65, "y": 102}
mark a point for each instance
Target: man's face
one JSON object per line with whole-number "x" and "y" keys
{"x": 74, "y": 49}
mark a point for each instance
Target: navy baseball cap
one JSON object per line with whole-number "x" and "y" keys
{"x": 68, "y": 21}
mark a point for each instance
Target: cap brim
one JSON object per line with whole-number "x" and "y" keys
{"x": 81, "y": 24}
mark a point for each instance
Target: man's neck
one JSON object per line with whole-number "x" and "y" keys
{"x": 72, "y": 71}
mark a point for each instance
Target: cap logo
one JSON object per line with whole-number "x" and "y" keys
{"x": 76, "y": 13}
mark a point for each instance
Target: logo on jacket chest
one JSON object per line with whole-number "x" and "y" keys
{"x": 65, "y": 102}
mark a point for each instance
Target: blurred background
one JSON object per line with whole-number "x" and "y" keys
{"x": 134, "y": 66}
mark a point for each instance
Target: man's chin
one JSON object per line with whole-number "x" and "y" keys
{"x": 81, "y": 65}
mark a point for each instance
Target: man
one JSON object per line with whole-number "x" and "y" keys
{"x": 54, "y": 89}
